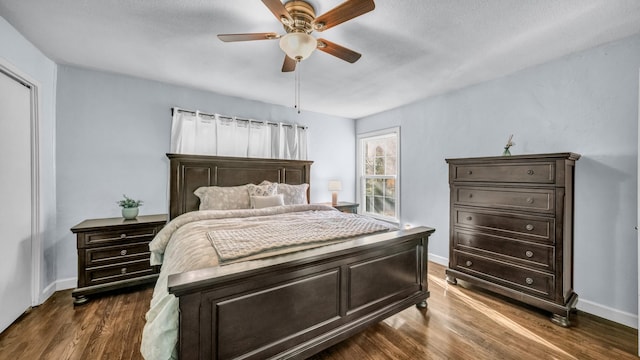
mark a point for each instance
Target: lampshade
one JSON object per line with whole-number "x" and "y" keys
{"x": 335, "y": 185}
{"x": 298, "y": 45}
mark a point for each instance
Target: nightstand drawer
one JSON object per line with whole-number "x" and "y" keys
{"x": 528, "y": 280}
{"x": 102, "y": 238}
{"x": 116, "y": 254}
{"x": 536, "y": 172}
{"x": 128, "y": 270}
{"x": 540, "y": 200}
{"x": 512, "y": 225}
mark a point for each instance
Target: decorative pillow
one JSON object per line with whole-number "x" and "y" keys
{"x": 223, "y": 198}
{"x": 293, "y": 194}
{"x": 260, "y": 202}
{"x": 261, "y": 190}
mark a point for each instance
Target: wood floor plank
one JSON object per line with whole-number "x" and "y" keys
{"x": 461, "y": 322}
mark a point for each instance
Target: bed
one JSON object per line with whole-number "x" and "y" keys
{"x": 290, "y": 305}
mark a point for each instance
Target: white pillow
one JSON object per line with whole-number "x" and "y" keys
{"x": 223, "y": 198}
{"x": 261, "y": 190}
{"x": 260, "y": 202}
{"x": 294, "y": 194}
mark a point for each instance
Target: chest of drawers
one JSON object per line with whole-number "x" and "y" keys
{"x": 114, "y": 253}
{"x": 511, "y": 228}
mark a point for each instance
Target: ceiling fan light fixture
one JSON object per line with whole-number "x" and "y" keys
{"x": 298, "y": 45}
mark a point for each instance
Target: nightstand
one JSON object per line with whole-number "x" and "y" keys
{"x": 346, "y": 207}
{"x": 113, "y": 253}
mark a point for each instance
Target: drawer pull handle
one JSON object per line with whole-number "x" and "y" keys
{"x": 469, "y": 263}
{"x": 469, "y": 172}
{"x": 529, "y": 200}
{"x": 123, "y": 252}
{"x": 528, "y": 280}
{"x": 529, "y": 227}
{"x": 122, "y": 236}
{"x": 528, "y": 253}
{"x": 470, "y": 195}
{"x": 469, "y": 218}
{"x": 530, "y": 172}
{"x": 123, "y": 270}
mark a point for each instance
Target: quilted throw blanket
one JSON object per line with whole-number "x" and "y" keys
{"x": 185, "y": 244}
{"x": 314, "y": 227}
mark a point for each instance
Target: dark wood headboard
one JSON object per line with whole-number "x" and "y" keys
{"x": 189, "y": 172}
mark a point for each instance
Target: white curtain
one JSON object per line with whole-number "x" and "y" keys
{"x": 197, "y": 133}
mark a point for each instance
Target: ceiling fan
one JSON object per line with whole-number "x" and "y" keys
{"x": 299, "y": 20}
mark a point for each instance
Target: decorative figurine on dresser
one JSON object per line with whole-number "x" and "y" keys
{"x": 114, "y": 253}
{"x": 511, "y": 228}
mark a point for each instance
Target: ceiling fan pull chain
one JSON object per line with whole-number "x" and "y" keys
{"x": 297, "y": 87}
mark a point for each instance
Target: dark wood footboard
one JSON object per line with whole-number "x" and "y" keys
{"x": 292, "y": 306}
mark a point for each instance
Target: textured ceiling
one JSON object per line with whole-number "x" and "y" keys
{"x": 411, "y": 49}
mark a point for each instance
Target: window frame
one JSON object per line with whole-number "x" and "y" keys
{"x": 361, "y": 177}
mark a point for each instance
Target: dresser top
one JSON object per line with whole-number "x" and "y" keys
{"x": 93, "y": 224}
{"x": 537, "y": 157}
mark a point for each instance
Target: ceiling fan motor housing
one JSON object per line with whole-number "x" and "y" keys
{"x": 302, "y": 14}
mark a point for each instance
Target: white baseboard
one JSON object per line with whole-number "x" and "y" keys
{"x": 58, "y": 285}
{"x": 587, "y": 306}
{"x": 608, "y": 313}
{"x": 439, "y": 259}
{"x": 46, "y": 293}
{"x": 64, "y": 284}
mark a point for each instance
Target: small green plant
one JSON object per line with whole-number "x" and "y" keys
{"x": 129, "y": 202}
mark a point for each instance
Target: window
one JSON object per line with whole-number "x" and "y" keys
{"x": 378, "y": 172}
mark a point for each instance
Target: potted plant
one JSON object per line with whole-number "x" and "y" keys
{"x": 129, "y": 207}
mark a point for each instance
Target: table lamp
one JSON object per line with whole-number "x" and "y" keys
{"x": 334, "y": 187}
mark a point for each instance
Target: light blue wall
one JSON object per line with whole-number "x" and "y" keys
{"x": 585, "y": 103}
{"x": 113, "y": 132}
{"x": 19, "y": 54}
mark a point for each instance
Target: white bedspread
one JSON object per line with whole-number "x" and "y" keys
{"x": 184, "y": 244}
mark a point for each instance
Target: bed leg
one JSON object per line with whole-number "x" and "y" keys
{"x": 422, "y": 304}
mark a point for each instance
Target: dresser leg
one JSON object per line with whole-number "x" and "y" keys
{"x": 561, "y": 320}
{"x": 422, "y": 304}
{"x": 451, "y": 279}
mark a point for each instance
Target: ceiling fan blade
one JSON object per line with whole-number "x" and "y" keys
{"x": 278, "y": 9}
{"x": 343, "y": 12}
{"x": 338, "y": 51}
{"x": 289, "y": 64}
{"x": 248, "y": 37}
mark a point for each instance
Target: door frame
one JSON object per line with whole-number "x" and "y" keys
{"x": 36, "y": 238}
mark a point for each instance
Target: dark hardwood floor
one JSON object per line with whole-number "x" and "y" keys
{"x": 461, "y": 323}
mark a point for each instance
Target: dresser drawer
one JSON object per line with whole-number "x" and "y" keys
{"x": 537, "y": 172}
{"x": 527, "y": 280}
{"x": 524, "y": 252}
{"x": 123, "y": 271}
{"x": 109, "y": 255}
{"x": 103, "y": 238}
{"x": 541, "y": 200}
{"x": 512, "y": 225}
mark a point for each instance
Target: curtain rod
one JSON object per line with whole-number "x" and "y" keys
{"x": 173, "y": 110}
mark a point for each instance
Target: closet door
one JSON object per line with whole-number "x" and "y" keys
{"x": 15, "y": 192}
